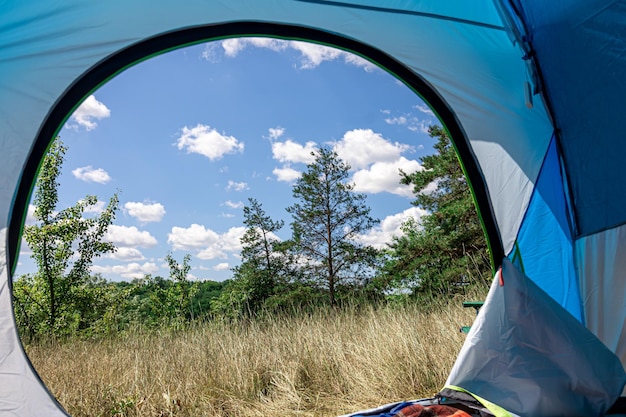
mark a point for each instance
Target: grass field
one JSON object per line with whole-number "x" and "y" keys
{"x": 323, "y": 364}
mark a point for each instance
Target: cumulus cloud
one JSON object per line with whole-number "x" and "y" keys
{"x": 91, "y": 174}
{"x": 233, "y": 204}
{"x": 206, "y": 141}
{"x": 385, "y": 176}
{"x": 130, "y": 271}
{"x": 412, "y": 122}
{"x": 145, "y": 212}
{"x": 390, "y": 226}
{"x": 222, "y": 266}
{"x": 398, "y": 120}
{"x": 96, "y": 208}
{"x": 311, "y": 55}
{"x": 424, "y": 109}
{"x": 208, "y": 243}
{"x": 87, "y": 113}
{"x": 237, "y": 186}
{"x": 129, "y": 236}
{"x": 276, "y": 132}
{"x": 290, "y": 151}
{"x": 30, "y": 215}
{"x": 362, "y": 147}
{"x": 286, "y": 174}
{"x": 192, "y": 237}
{"x": 126, "y": 254}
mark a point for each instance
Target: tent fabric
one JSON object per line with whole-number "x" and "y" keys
{"x": 578, "y": 47}
{"x": 530, "y": 92}
{"x": 21, "y": 391}
{"x": 602, "y": 261}
{"x": 546, "y": 225}
{"x": 528, "y": 355}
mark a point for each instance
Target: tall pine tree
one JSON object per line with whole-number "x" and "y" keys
{"x": 447, "y": 249}
{"x": 327, "y": 221}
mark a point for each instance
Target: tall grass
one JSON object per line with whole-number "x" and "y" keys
{"x": 321, "y": 364}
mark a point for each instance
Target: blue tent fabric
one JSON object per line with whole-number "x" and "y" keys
{"x": 546, "y": 241}
{"x": 530, "y": 91}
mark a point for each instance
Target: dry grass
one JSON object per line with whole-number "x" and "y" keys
{"x": 320, "y": 365}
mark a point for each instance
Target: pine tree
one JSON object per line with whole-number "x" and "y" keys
{"x": 327, "y": 221}
{"x": 448, "y": 248}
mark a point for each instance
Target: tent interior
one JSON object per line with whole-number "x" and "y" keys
{"x": 531, "y": 93}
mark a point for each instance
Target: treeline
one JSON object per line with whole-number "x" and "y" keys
{"x": 325, "y": 262}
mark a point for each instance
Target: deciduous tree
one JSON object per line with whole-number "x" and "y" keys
{"x": 64, "y": 244}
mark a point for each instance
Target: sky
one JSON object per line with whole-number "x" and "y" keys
{"x": 187, "y": 137}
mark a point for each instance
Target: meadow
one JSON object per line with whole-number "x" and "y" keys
{"x": 320, "y": 364}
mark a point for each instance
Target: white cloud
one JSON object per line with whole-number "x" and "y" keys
{"x": 398, "y": 120}
{"x": 362, "y": 147}
{"x": 208, "y": 243}
{"x": 131, "y": 271}
{"x": 30, "y": 215}
{"x": 206, "y": 141}
{"x": 390, "y": 226}
{"x": 234, "y": 205}
{"x": 424, "y": 109}
{"x": 385, "y": 176}
{"x": 430, "y": 188}
{"x": 411, "y": 122}
{"x": 228, "y": 215}
{"x": 311, "y": 55}
{"x": 127, "y": 254}
{"x": 222, "y": 266}
{"x": 237, "y": 186}
{"x": 286, "y": 174}
{"x": 232, "y": 47}
{"x": 290, "y": 151}
{"x": 417, "y": 125}
{"x": 129, "y": 236}
{"x": 276, "y": 132}
{"x": 95, "y": 208}
{"x": 145, "y": 212}
{"x": 193, "y": 237}
{"x": 87, "y": 113}
{"x": 229, "y": 243}
{"x": 89, "y": 174}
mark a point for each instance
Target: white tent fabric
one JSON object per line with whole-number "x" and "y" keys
{"x": 510, "y": 79}
{"x": 528, "y": 355}
{"x": 21, "y": 390}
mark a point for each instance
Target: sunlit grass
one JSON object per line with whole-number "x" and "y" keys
{"x": 322, "y": 364}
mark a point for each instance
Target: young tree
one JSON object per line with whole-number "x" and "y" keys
{"x": 262, "y": 264}
{"x": 182, "y": 291}
{"x": 64, "y": 244}
{"x": 448, "y": 246}
{"x": 327, "y": 222}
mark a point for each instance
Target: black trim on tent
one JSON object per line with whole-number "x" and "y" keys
{"x": 133, "y": 54}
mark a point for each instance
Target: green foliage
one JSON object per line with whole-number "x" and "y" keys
{"x": 156, "y": 302}
{"x": 447, "y": 250}
{"x": 322, "y": 264}
{"x": 57, "y": 300}
{"x": 180, "y": 294}
{"x": 327, "y": 220}
{"x": 263, "y": 266}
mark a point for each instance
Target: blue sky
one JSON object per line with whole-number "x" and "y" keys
{"x": 188, "y": 136}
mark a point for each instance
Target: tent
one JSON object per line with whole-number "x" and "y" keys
{"x": 531, "y": 92}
